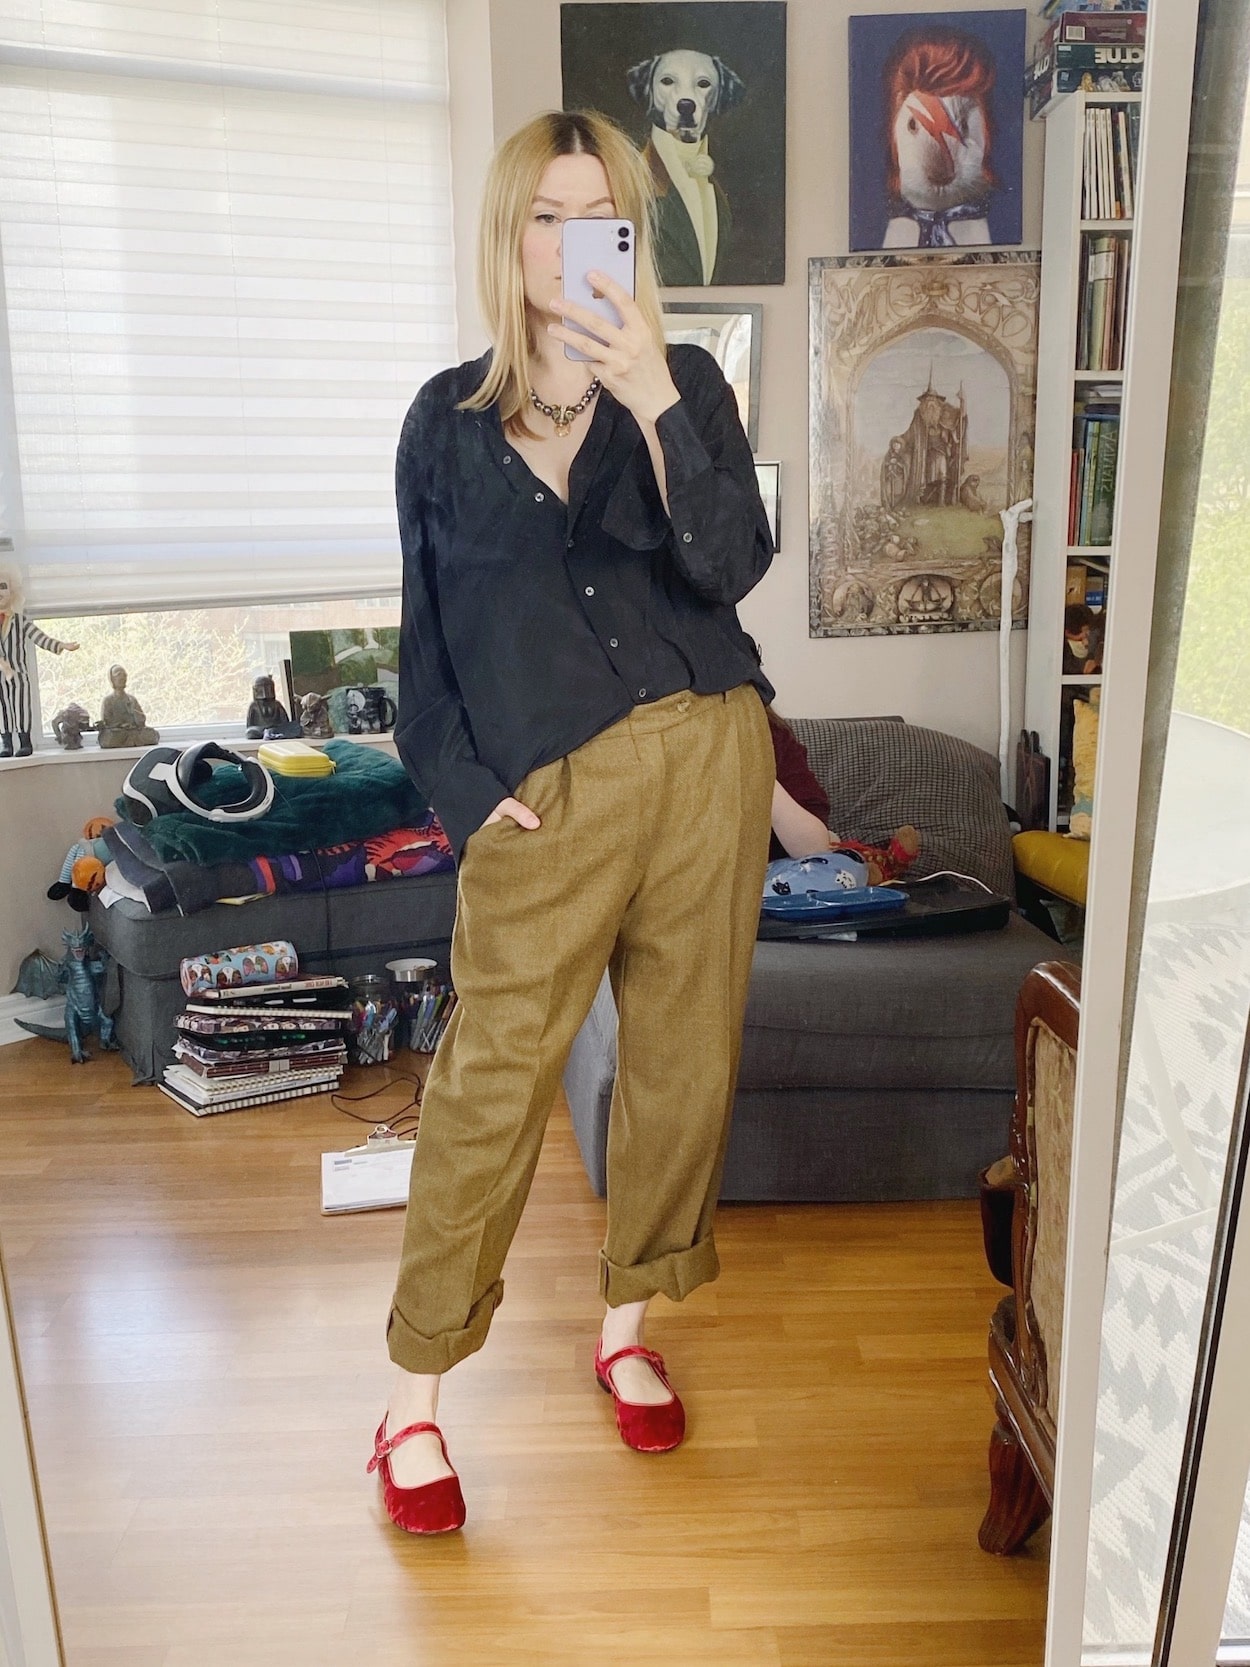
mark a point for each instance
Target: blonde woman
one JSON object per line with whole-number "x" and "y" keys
{"x": 585, "y": 713}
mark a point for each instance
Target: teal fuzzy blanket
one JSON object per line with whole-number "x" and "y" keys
{"x": 368, "y": 794}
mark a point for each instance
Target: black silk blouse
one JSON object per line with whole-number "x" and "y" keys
{"x": 530, "y": 625}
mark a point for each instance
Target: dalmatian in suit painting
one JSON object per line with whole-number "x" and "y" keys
{"x": 681, "y": 92}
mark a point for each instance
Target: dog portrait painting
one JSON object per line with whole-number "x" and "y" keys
{"x": 936, "y": 129}
{"x": 701, "y": 88}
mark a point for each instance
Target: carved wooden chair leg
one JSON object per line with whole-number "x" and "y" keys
{"x": 1018, "y": 1506}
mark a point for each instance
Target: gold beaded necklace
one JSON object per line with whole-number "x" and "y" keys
{"x": 562, "y": 415}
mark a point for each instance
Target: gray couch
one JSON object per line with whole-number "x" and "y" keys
{"x": 875, "y": 1069}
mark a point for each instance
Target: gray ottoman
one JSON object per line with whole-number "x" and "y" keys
{"x": 350, "y": 931}
{"x": 873, "y": 1070}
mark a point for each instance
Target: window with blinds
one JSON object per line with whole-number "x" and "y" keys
{"x": 225, "y": 248}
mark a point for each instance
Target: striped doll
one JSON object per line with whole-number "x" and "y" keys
{"x": 15, "y": 632}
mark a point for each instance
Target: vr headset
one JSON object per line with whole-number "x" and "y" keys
{"x": 169, "y": 779}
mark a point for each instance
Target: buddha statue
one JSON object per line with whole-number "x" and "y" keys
{"x": 123, "y": 722}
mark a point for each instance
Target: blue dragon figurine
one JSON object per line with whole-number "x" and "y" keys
{"x": 81, "y": 972}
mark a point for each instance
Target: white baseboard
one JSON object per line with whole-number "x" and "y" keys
{"x": 49, "y": 1010}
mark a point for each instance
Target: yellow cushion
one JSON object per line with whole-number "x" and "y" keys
{"x": 1084, "y": 759}
{"x": 1055, "y": 863}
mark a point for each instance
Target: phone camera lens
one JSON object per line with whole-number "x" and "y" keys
{"x": 622, "y": 231}
{"x": 623, "y": 247}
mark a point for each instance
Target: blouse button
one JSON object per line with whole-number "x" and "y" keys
{"x": 613, "y": 643}
{"x": 507, "y": 457}
{"x": 590, "y": 590}
{"x": 538, "y": 497}
{"x": 642, "y": 694}
{"x": 687, "y": 538}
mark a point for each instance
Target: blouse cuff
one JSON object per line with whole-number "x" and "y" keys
{"x": 685, "y": 455}
{"x": 463, "y": 799}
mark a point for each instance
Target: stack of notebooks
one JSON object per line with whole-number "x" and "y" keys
{"x": 1105, "y": 264}
{"x": 1101, "y": 50}
{"x": 252, "y": 1044}
{"x": 1110, "y": 161}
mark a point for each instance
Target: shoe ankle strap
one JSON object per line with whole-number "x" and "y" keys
{"x": 654, "y": 1360}
{"x": 384, "y": 1445}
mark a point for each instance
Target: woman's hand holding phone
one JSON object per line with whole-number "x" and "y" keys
{"x": 626, "y": 358}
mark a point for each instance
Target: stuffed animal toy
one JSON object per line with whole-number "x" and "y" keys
{"x": 82, "y": 872}
{"x": 885, "y": 862}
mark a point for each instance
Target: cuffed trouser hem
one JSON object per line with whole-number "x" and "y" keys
{"x": 417, "y": 1353}
{"x": 673, "y": 1276}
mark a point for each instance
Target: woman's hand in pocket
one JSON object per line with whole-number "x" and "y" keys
{"x": 521, "y": 814}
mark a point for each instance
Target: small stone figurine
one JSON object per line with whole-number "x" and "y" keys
{"x": 69, "y": 726}
{"x": 267, "y": 715}
{"x": 15, "y": 632}
{"x": 123, "y": 722}
{"x": 314, "y": 717}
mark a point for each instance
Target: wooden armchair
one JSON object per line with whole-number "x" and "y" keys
{"x": 1024, "y": 1199}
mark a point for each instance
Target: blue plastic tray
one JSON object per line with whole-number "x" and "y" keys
{"x": 813, "y": 905}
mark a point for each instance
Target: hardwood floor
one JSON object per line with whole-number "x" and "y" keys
{"x": 204, "y": 1364}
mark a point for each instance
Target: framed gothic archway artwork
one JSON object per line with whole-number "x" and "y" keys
{"x": 922, "y": 387}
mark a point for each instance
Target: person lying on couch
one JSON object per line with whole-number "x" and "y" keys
{"x": 800, "y": 814}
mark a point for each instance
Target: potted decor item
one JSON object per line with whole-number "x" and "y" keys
{"x": 16, "y": 631}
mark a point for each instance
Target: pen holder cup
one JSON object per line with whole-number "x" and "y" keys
{"x": 425, "y": 1003}
{"x": 372, "y": 1029}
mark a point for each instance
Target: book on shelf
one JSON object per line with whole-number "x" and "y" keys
{"x": 1095, "y": 452}
{"x": 1109, "y": 161}
{"x": 271, "y": 1096}
{"x": 1106, "y": 263}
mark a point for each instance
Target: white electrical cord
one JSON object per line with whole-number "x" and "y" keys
{"x": 1011, "y": 519}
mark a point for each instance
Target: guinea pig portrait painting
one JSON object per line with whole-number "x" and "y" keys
{"x": 936, "y": 129}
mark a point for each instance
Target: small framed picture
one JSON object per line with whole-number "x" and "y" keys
{"x": 769, "y": 477}
{"x": 730, "y": 331}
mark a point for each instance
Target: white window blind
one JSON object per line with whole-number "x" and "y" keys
{"x": 225, "y": 247}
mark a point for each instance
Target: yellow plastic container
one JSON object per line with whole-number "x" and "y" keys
{"x": 295, "y": 758}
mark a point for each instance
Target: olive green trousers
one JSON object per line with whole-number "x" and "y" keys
{"x": 650, "y": 861}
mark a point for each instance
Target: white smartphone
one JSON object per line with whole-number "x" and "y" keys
{"x": 597, "y": 245}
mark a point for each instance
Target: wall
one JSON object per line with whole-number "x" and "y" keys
{"x": 949, "y": 682}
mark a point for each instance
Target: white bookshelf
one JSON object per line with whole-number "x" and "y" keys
{"x": 1059, "y": 383}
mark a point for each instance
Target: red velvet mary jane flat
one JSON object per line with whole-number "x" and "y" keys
{"x": 435, "y": 1508}
{"x": 647, "y": 1429}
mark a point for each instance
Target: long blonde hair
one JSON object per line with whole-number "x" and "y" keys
{"x": 511, "y": 184}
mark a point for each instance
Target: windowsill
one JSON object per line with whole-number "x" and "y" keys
{"x": 94, "y": 754}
